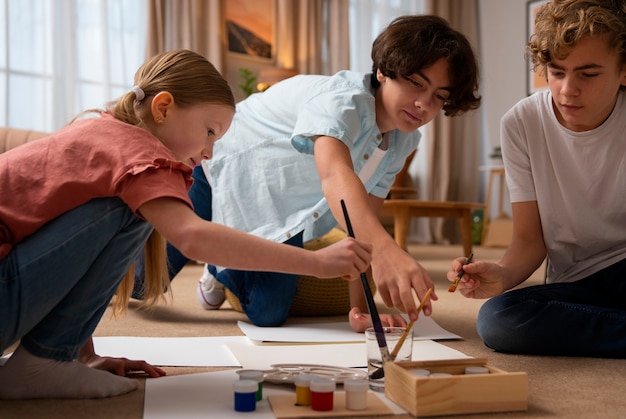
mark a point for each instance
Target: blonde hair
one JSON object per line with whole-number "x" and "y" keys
{"x": 560, "y": 24}
{"x": 191, "y": 79}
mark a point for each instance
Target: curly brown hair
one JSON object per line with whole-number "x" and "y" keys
{"x": 414, "y": 42}
{"x": 560, "y": 24}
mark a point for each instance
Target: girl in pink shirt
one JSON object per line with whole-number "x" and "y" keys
{"x": 78, "y": 206}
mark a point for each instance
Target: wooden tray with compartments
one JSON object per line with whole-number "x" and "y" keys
{"x": 458, "y": 393}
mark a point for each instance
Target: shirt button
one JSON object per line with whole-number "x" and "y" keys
{"x": 379, "y": 137}
{"x": 315, "y": 215}
{"x": 366, "y": 156}
{"x": 288, "y": 235}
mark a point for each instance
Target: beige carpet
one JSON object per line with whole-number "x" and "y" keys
{"x": 558, "y": 386}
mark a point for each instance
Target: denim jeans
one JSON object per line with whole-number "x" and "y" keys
{"x": 56, "y": 284}
{"x": 265, "y": 297}
{"x": 200, "y": 195}
{"x": 582, "y": 318}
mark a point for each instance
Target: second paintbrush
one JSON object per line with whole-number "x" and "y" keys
{"x": 460, "y": 274}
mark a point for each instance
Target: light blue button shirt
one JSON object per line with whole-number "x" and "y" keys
{"x": 263, "y": 171}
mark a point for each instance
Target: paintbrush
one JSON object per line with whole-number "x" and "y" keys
{"x": 395, "y": 351}
{"x": 380, "y": 373}
{"x": 369, "y": 298}
{"x": 460, "y": 274}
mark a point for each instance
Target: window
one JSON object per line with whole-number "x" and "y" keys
{"x": 368, "y": 18}
{"x": 58, "y": 58}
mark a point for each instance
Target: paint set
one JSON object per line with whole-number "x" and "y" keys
{"x": 450, "y": 387}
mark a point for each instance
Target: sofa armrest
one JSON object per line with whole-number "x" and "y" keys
{"x": 13, "y": 137}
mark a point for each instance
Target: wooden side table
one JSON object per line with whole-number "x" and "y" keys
{"x": 403, "y": 209}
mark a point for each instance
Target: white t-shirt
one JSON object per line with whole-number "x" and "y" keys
{"x": 578, "y": 180}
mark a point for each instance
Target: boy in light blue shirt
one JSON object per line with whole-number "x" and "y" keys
{"x": 296, "y": 150}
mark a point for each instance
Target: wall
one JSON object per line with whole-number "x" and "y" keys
{"x": 503, "y": 69}
{"x": 503, "y": 65}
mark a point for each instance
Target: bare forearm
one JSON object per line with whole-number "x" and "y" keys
{"x": 521, "y": 260}
{"x": 362, "y": 208}
{"x": 223, "y": 246}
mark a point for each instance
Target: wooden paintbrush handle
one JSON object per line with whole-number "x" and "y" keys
{"x": 396, "y": 349}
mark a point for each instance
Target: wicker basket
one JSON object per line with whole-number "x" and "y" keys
{"x": 315, "y": 296}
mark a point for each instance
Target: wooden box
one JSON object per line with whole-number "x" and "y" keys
{"x": 496, "y": 391}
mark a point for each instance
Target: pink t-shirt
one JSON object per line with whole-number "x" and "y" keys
{"x": 91, "y": 158}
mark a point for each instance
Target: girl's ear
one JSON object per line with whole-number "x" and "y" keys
{"x": 161, "y": 104}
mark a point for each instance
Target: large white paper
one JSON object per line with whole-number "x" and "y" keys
{"x": 425, "y": 328}
{"x": 210, "y": 395}
{"x": 346, "y": 355}
{"x": 177, "y": 351}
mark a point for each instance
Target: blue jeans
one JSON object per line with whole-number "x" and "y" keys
{"x": 583, "y": 318}
{"x": 265, "y": 297}
{"x": 200, "y": 195}
{"x": 56, "y": 284}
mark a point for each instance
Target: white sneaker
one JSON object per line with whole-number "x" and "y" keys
{"x": 211, "y": 294}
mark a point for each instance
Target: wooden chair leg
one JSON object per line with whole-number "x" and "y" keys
{"x": 401, "y": 226}
{"x": 466, "y": 231}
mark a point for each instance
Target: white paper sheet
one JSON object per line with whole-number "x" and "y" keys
{"x": 347, "y": 355}
{"x": 178, "y": 352}
{"x": 210, "y": 395}
{"x": 425, "y": 328}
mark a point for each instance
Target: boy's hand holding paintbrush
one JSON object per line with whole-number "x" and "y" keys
{"x": 460, "y": 274}
{"x": 486, "y": 279}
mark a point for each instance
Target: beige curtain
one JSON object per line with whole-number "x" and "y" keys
{"x": 453, "y": 143}
{"x": 192, "y": 24}
{"x": 313, "y": 36}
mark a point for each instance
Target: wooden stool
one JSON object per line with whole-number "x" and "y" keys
{"x": 498, "y": 230}
{"x": 403, "y": 209}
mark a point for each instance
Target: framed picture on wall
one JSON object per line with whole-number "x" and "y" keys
{"x": 250, "y": 28}
{"x": 534, "y": 80}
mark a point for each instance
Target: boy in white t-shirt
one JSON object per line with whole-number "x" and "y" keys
{"x": 564, "y": 151}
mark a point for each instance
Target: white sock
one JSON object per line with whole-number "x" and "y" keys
{"x": 26, "y": 376}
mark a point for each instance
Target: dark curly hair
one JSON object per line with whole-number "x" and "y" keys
{"x": 412, "y": 43}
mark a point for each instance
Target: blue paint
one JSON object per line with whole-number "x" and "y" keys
{"x": 245, "y": 395}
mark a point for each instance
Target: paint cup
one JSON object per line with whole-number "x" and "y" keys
{"x": 245, "y": 395}
{"x": 476, "y": 370}
{"x": 356, "y": 393}
{"x": 375, "y": 373}
{"x": 303, "y": 389}
{"x": 254, "y": 375}
{"x": 322, "y": 393}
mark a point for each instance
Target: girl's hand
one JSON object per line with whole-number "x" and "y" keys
{"x": 119, "y": 366}
{"x": 346, "y": 259}
{"x": 360, "y": 321}
{"x": 481, "y": 279}
{"x": 122, "y": 366}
